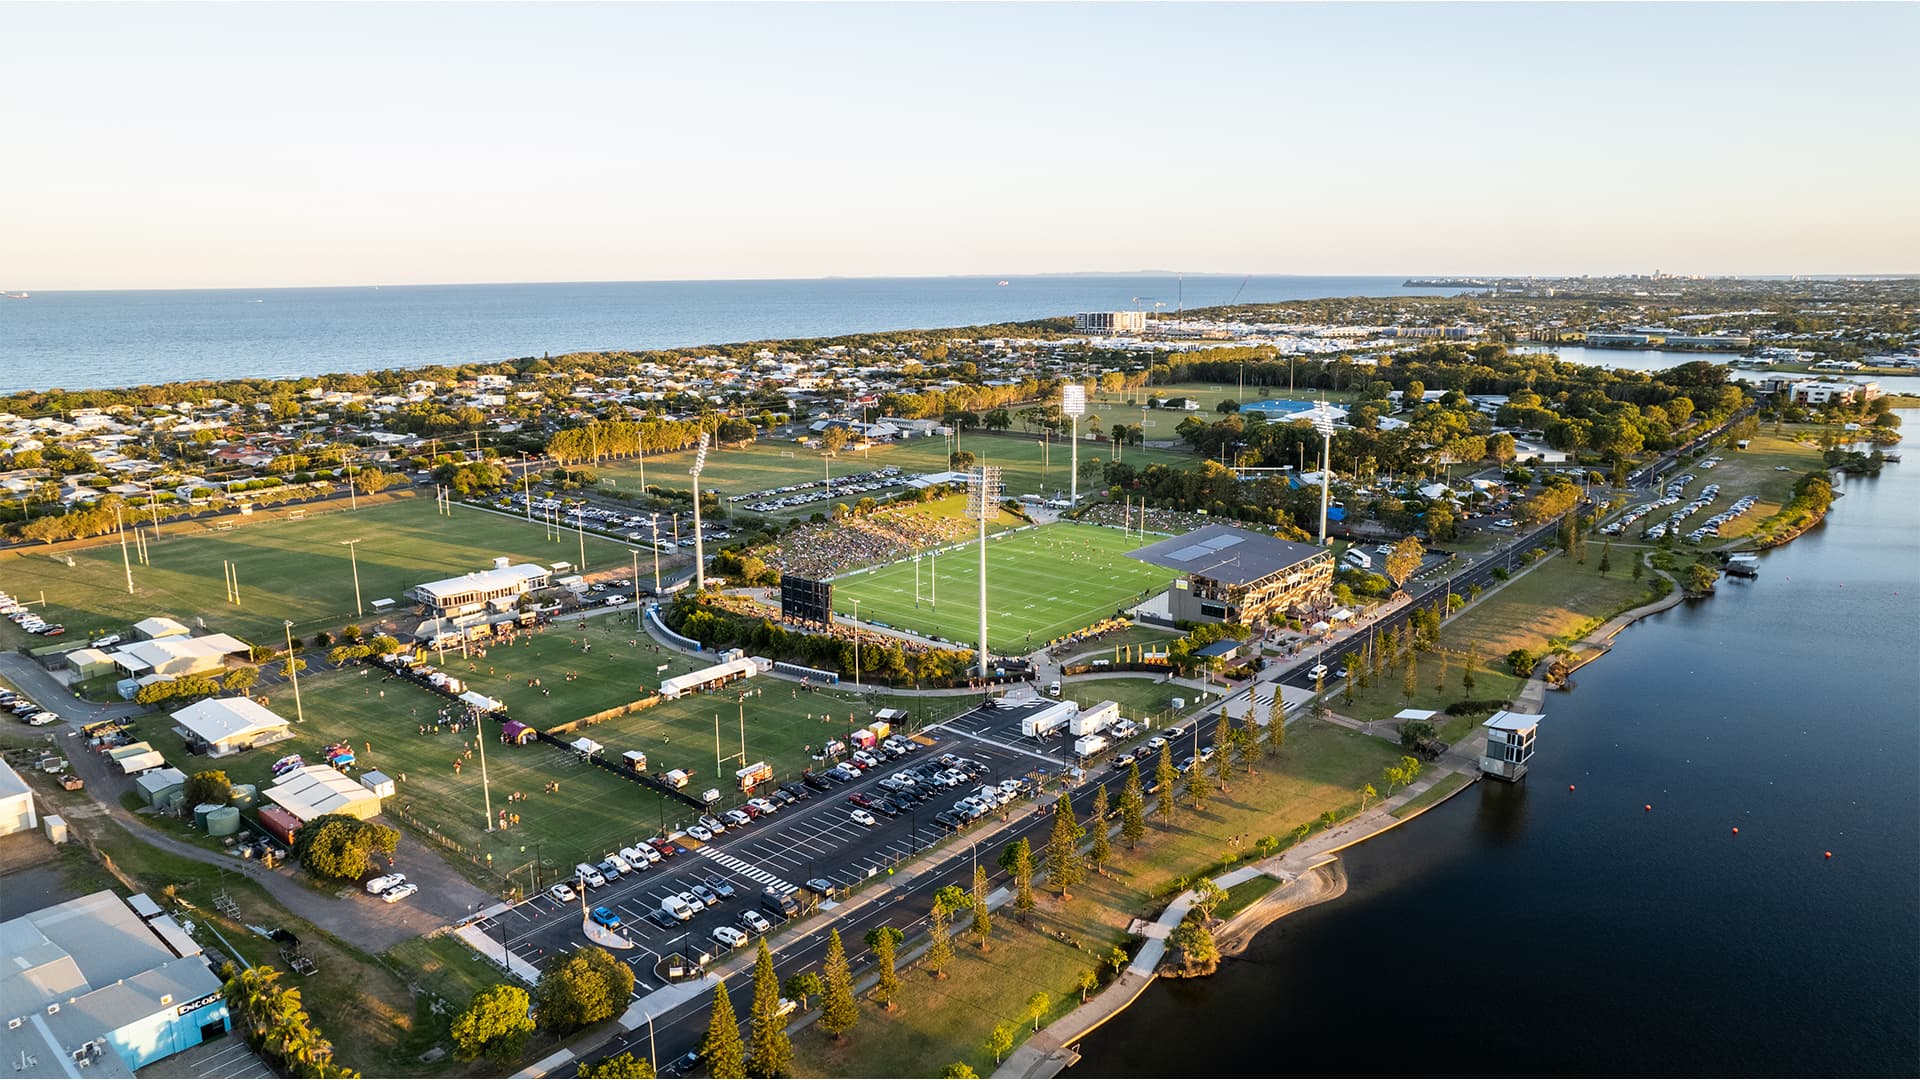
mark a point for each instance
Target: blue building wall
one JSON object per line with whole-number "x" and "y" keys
{"x": 166, "y": 1032}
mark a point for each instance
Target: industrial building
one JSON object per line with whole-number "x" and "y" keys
{"x": 501, "y": 587}
{"x": 1240, "y": 576}
{"x": 176, "y": 656}
{"x": 225, "y": 726}
{"x": 17, "y": 812}
{"x": 99, "y": 986}
{"x": 1110, "y": 322}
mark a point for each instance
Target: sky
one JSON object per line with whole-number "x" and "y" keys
{"x": 236, "y": 145}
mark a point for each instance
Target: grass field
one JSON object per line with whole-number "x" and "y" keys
{"x": 1041, "y": 583}
{"x": 938, "y": 1022}
{"x": 295, "y": 570}
{"x": 1116, "y": 407}
{"x": 1146, "y": 699}
{"x": 1549, "y": 601}
{"x": 1026, "y": 467}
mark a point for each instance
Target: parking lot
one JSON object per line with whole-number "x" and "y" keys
{"x": 814, "y": 849}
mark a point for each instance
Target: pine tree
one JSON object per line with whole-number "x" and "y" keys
{"x": 939, "y": 944}
{"x": 1199, "y": 786}
{"x": 770, "y": 1053}
{"x": 1133, "y": 808}
{"x": 1064, "y": 867}
{"x": 982, "y": 917}
{"x": 887, "y": 988}
{"x": 1222, "y": 757}
{"x": 1102, "y": 849}
{"x": 1440, "y": 675}
{"x": 721, "y": 1049}
{"x": 1606, "y": 557}
{"x": 1247, "y": 739}
{"x": 1411, "y": 682}
{"x": 1466, "y": 673}
{"x": 1022, "y": 872}
{"x": 1164, "y": 777}
{"x": 1346, "y": 693}
{"x": 1276, "y": 714}
{"x": 838, "y": 1010}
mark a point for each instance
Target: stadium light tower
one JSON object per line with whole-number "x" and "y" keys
{"x": 699, "y": 551}
{"x": 1073, "y": 402}
{"x": 1323, "y": 423}
{"x": 983, "y": 491}
{"x": 353, "y": 559}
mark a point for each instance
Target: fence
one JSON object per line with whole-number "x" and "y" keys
{"x": 620, "y": 770}
{"x": 784, "y": 667}
{"x": 630, "y": 707}
{"x": 653, "y": 617}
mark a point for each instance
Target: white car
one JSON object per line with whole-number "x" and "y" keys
{"x": 1504, "y": 523}
{"x": 1317, "y": 672}
{"x": 765, "y": 806}
{"x": 738, "y": 818}
{"x": 400, "y": 892}
{"x": 637, "y": 858}
{"x": 384, "y": 882}
{"x": 647, "y": 853}
{"x": 861, "y": 817}
{"x": 728, "y": 938}
{"x": 589, "y": 875}
{"x": 620, "y": 862}
{"x": 563, "y": 893}
{"x": 699, "y": 833}
{"x": 42, "y": 719}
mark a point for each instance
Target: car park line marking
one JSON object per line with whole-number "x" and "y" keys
{"x": 745, "y": 869}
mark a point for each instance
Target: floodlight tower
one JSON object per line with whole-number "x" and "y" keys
{"x": 1323, "y": 423}
{"x": 983, "y": 491}
{"x": 1073, "y": 402}
{"x": 699, "y": 551}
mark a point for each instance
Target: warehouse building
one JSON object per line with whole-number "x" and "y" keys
{"x": 313, "y": 790}
{"x": 16, "y": 803}
{"x": 222, "y": 726}
{"x": 1240, "y": 576}
{"x": 94, "y": 989}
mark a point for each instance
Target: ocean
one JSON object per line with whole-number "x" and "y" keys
{"x": 85, "y": 340}
{"x": 1596, "y": 938}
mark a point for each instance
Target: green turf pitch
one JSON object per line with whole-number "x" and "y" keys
{"x": 1041, "y": 583}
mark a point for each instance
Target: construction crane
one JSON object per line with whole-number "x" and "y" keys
{"x": 1241, "y": 289}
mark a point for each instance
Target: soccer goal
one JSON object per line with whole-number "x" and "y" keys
{"x": 786, "y": 453}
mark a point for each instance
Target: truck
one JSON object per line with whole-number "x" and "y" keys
{"x": 635, "y": 760}
{"x": 1088, "y": 745}
{"x": 881, "y": 729}
{"x": 1048, "y": 720}
{"x": 753, "y": 775}
{"x": 1096, "y": 719}
{"x": 779, "y": 902}
{"x": 1358, "y": 559}
{"x": 864, "y": 739}
{"x": 675, "y": 908}
{"x": 677, "y": 777}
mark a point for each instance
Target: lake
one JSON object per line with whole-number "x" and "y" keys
{"x": 1536, "y": 929}
{"x": 78, "y": 340}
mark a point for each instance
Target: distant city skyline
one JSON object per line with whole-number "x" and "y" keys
{"x": 259, "y": 146}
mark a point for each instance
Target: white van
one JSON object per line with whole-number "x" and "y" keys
{"x": 1358, "y": 559}
{"x": 676, "y": 908}
{"x": 589, "y": 875}
{"x": 1054, "y": 688}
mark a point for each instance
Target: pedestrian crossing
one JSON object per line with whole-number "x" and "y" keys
{"x": 745, "y": 869}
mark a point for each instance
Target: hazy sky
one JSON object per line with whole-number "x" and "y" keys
{"x": 250, "y": 145}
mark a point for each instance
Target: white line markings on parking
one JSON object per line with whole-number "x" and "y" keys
{"x": 744, "y": 868}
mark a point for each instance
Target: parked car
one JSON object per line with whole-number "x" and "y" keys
{"x": 384, "y": 882}
{"x": 861, "y": 817}
{"x": 706, "y": 896}
{"x": 589, "y": 876}
{"x": 712, "y": 824}
{"x": 400, "y": 892}
{"x": 606, "y": 917}
{"x": 563, "y": 893}
{"x": 738, "y": 817}
{"x": 728, "y": 937}
{"x": 720, "y": 887}
{"x": 754, "y": 921}
{"x": 699, "y": 832}
{"x": 694, "y": 903}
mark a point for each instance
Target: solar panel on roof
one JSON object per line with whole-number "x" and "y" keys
{"x": 1190, "y": 553}
{"x": 1219, "y": 543}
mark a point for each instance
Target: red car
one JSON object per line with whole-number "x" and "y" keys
{"x": 861, "y": 799}
{"x": 666, "y": 850}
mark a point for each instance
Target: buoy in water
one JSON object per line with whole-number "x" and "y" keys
{"x": 1736, "y": 830}
{"x": 1829, "y": 854}
{"x": 1569, "y": 787}
{"x": 1649, "y": 807}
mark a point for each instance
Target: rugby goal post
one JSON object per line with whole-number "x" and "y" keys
{"x": 786, "y": 453}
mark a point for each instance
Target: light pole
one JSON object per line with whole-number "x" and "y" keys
{"x": 856, "y": 645}
{"x": 353, "y": 559}
{"x": 293, "y": 673}
{"x": 983, "y": 489}
{"x": 636, "y": 590}
{"x": 699, "y": 550}
{"x": 1073, "y": 402}
{"x": 1323, "y": 423}
{"x": 353, "y": 501}
{"x": 654, "y": 523}
{"x": 480, "y": 740}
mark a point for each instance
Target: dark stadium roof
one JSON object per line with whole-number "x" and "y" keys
{"x": 1226, "y": 554}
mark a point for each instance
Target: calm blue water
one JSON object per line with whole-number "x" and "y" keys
{"x": 77, "y": 340}
{"x": 1533, "y": 930}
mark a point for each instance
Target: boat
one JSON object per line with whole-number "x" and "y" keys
{"x": 26, "y": 296}
{"x": 1003, "y": 283}
{"x": 1891, "y": 455}
{"x": 1747, "y": 566}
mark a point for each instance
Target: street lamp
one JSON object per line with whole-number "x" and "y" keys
{"x": 1073, "y": 402}
{"x": 354, "y": 559}
{"x": 699, "y": 551}
{"x": 293, "y": 673}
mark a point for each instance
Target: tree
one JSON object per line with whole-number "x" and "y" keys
{"x": 834, "y": 439}
{"x": 1411, "y": 682}
{"x": 623, "y": 1066}
{"x": 884, "y": 940}
{"x": 210, "y": 786}
{"x": 340, "y": 846}
{"x": 838, "y": 1010}
{"x": 1065, "y": 869}
{"x": 1102, "y": 849}
{"x": 1521, "y": 662}
{"x": 1021, "y": 870}
{"x": 959, "y": 1070}
{"x": 240, "y": 680}
{"x": 720, "y": 1048}
{"x": 1699, "y": 579}
{"x": 1367, "y": 794}
{"x": 587, "y": 987}
{"x": 1037, "y": 1007}
{"x": 1207, "y": 897}
{"x": 1404, "y": 560}
{"x": 1000, "y": 1040}
{"x": 1199, "y": 786}
{"x": 1133, "y": 808}
{"x": 982, "y": 915}
{"x": 771, "y": 1052}
{"x": 495, "y": 1024}
{"x": 1606, "y": 556}
{"x": 1466, "y": 672}
{"x": 1164, "y": 777}
{"x": 804, "y": 987}
{"x": 1639, "y": 568}
{"x": 1194, "y": 939}
{"x": 939, "y": 955}
{"x": 1088, "y": 980}
{"x": 1440, "y": 674}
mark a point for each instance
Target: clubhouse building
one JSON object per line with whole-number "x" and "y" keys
{"x": 499, "y": 588}
{"x": 1237, "y": 575}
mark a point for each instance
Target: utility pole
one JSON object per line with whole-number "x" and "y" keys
{"x": 293, "y": 673}
{"x": 526, "y": 487}
{"x": 699, "y": 549}
{"x": 353, "y": 559}
{"x": 580, "y": 529}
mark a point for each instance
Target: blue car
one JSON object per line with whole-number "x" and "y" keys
{"x": 607, "y": 918}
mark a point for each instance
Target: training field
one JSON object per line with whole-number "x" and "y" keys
{"x": 1025, "y": 468}
{"x": 288, "y": 569}
{"x": 1041, "y": 583}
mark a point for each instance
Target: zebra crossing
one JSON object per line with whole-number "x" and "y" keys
{"x": 745, "y": 869}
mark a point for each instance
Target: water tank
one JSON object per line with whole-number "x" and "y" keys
{"x": 200, "y": 813}
{"x": 245, "y": 795}
{"x": 223, "y": 821}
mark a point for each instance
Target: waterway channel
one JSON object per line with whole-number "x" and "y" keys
{"x": 1559, "y": 927}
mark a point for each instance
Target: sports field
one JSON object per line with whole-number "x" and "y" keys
{"x": 1026, "y": 467}
{"x": 1041, "y": 583}
{"x": 295, "y": 570}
